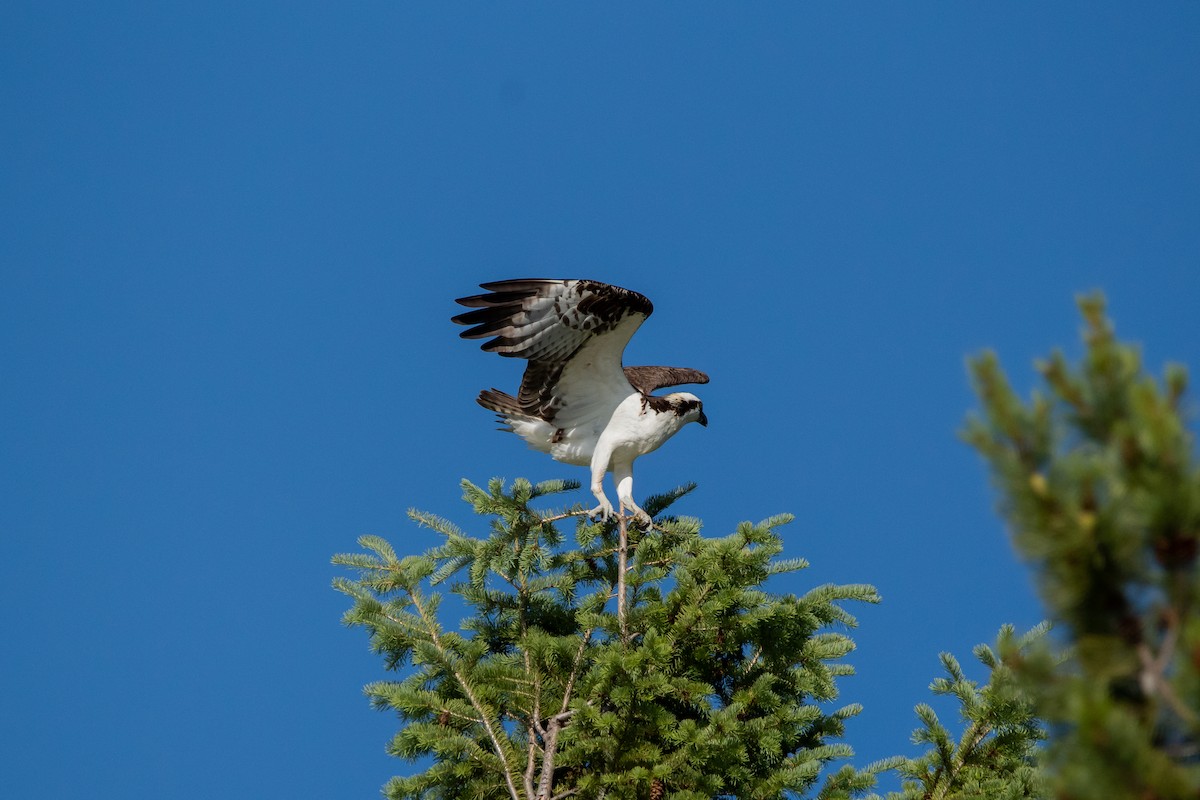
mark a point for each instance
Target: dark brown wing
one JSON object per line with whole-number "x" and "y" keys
{"x": 573, "y": 333}
{"x": 647, "y": 379}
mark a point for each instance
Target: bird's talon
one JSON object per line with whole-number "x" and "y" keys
{"x": 636, "y": 514}
{"x": 601, "y": 512}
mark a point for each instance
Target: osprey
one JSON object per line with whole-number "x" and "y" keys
{"x": 576, "y": 401}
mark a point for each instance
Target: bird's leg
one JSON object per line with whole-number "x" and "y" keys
{"x": 605, "y": 509}
{"x": 599, "y": 468}
{"x": 623, "y": 475}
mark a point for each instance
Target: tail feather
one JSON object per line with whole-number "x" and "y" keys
{"x": 537, "y": 433}
{"x": 500, "y": 402}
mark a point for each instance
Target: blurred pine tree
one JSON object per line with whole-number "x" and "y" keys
{"x": 1099, "y": 485}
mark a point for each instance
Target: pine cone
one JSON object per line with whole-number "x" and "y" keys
{"x": 658, "y": 789}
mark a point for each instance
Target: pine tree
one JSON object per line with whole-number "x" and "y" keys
{"x": 624, "y": 664}
{"x": 995, "y": 756}
{"x": 1099, "y": 485}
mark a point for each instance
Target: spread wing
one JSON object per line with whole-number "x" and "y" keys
{"x": 573, "y": 333}
{"x": 647, "y": 379}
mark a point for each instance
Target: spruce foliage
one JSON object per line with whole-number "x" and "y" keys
{"x": 622, "y": 664}
{"x": 994, "y": 758}
{"x": 1100, "y": 487}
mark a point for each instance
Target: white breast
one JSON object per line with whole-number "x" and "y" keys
{"x": 636, "y": 429}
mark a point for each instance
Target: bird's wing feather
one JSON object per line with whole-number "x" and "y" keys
{"x": 648, "y": 379}
{"x": 573, "y": 332}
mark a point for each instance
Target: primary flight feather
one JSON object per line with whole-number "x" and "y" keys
{"x": 576, "y": 401}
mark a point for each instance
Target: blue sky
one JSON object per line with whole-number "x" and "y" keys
{"x": 232, "y": 238}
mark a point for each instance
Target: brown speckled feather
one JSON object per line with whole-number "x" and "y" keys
{"x": 551, "y": 322}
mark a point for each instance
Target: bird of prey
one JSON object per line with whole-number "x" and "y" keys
{"x": 577, "y": 402}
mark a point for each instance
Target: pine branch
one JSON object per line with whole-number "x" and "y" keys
{"x": 575, "y": 668}
{"x": 550, "y": 750}
{"x": 465, "y": 685}
{"x": 534, "y": 728}
{"x": 993, "y": 757}
{"x": 947, "y": 776}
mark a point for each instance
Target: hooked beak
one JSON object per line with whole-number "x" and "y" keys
{"x": 703, "y": 420}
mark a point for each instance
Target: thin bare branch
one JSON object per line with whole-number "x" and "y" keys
{"x": 583, "y": 643}
{"x": 432, "y": 632}
{"x": 1154, "y": 669}
{"x": 564, "y": 515}
{"x": 622, "y": 560}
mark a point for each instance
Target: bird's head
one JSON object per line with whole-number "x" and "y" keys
{"x": 688, "y": 406}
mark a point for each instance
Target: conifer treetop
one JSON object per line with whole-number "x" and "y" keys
{"x": 702, "y": 683}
